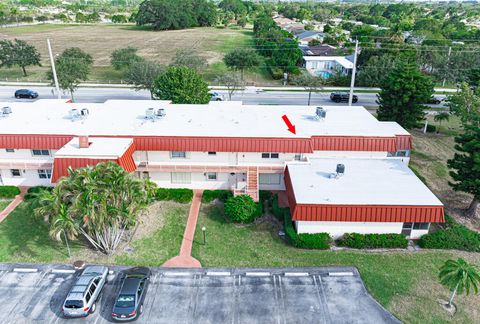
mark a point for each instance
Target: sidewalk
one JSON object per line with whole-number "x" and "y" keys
{"x": 15, "y": 202}
{"x": 184, "y": 259}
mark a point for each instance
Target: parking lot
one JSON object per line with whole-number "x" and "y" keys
{"x": 35, "y": 293}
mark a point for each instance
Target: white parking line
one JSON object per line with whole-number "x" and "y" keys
{"x": 218, "y": 273}
{"x": 177, "y": 274}
{"x": 296, "y": 274}
{"x": 257, "y": 274}
{"x": 340, "y": 274}
{"x": 57, "y": 271}
{"x": 25, "y": 270}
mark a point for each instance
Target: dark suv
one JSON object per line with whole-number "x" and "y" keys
{"x": 342, "y": 96}
{"x": 26, "y": 93}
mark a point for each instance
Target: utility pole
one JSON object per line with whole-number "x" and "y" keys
{"x": 354, "y": 71}
{"x": 448, "y": 62}
{"x": 54, "y": 72}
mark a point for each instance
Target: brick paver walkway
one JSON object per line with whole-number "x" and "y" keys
{"x": 15, "y": 202}
{"x": 184, "y": 259}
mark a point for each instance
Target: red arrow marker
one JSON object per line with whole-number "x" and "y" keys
{"x": 291, "y": 128}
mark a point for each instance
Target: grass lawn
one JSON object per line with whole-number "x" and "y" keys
{"x": 100, "y": 40}
{"x": 404, "y": 282}
{"x": 24, "y": 238}
{"x": 4, "y": 203}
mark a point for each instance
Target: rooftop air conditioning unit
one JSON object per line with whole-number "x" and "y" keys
{"x": 150, "y": 113}
{"x": 6, "y": 111}
{"x": 161, "y": 112}
{"x": 84, "y": 112}
{"x": 340, "y": 170}
{"x": 74, "y": 114}
{"x": 320, "y": 113}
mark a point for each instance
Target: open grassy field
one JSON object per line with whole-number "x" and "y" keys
{"x": 404, "y": 282}
{"x": 25, "y": 238}
{"x": 429, "y": 157}
{"x": 100, "y": 40}
{"x": 4, "y": 203}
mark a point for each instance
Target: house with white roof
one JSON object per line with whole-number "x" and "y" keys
{"x": 323, "y": 60}
{"x": 228, "y": 145}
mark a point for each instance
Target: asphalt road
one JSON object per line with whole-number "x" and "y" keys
{"x": 210, "y": 296}
{"x": 247, "y": 97}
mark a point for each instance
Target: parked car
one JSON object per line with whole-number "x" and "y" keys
{"x": 434, "y": 101}
{"x": 26, "y": 93}
{"x": 129, "y": 302}
{"x": 342, "y": 96}
{"x": 82, "y": 298}
{"x": 215, "y": 96}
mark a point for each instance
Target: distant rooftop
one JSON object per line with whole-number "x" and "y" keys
{"x": 365, "y": 182}
{"x": 217, "y": 119}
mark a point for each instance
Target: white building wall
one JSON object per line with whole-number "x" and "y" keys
{"x": 338, "y": 229}
{"x": 198, "y": 181}
{"x": 28, "y": 178}
{"x": 24, "y": 154}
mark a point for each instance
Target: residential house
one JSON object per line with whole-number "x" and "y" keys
{"x": 323, "y": 60}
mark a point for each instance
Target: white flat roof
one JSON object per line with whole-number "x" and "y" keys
{"x": 100, "y": 148}
{"x": 222, "y": 119}
{"x": 339, "y": 59}
{"x": 365, "y": 182}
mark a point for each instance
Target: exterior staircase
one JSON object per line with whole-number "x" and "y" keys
{"x": 252, "y": 183}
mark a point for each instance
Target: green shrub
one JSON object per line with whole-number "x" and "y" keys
{"x": 275, "y": 72}
{"x": 211, "y": 195}
{"x": 242, "y": 209}
{"x": 320, "y": 241}
{"x": 277, "y": 211}
{"x": 33, "y": 191}
{"x": 431, "y": 128}
{"x": 266, "y": 195}
{"x": 178, "y": 195}
{"x": 373, "y": 241}
{"x": 453, "y": 237}
{"x": 9, "y": 191}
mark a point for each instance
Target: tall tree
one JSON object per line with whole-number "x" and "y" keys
{"x": 465, "y": 165}
{"x": 18, "y": 53}
{"x": 190, "y": 59}
{"x": 465, "y": 104}
{"x": 310, "y": 83}
{"x": 142, "y": 75}
{"x": 72, "y": 66}
{"x": 459, "y": 276}
{"x": 99, "y": 202}
{"x": 233, "y": 83}
{"x": 286, "y": 56}
{"x": 241, "y": 59}
{"x": 124, "y": 57}
{"x": 181, "y": 85}
{"x": 403, "y": 94}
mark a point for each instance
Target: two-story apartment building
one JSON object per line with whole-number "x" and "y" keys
{"x": 227, "y": 145}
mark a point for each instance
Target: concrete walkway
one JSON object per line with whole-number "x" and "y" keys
{"x": 15, "y": 202}
{"x": 185, "y": 259}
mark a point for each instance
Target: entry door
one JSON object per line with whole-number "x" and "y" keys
{"x": 407, "y": 229}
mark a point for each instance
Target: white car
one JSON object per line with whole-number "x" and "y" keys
{"x": 215, "y": 96}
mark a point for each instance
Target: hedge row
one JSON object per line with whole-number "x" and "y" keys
{"x": 211, "y": 195}
{"x": 178, "y": 195}
{"x": 320, "y": 241}
{"x": 373, "y": 241}
{"x": 9, "y": 191}
{"x": 33, "y": 191}
{"x": 453, "y": 237}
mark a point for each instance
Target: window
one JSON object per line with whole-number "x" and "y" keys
{"x": 44, "y": 174}
{"x": 10, "y": 150}
{"x": 15, "y": 172}
{"x": 41, "y": 152}
{"x": 178, "y": 155}
{"x": 421, "y": 226}
{"x": 407, "y": 229}
{"x": 270, "y": 155}
{"x": 87, "y": 297}
{"x": 212, "y": 153}
{"x": 401, "y": 153}
{"x": 298, "y": 157}
{"x": 181, "y": 177}
{"x": 270, "y": 178}
{"x": 211, "y": 176}
{"x": 92, "y": 289}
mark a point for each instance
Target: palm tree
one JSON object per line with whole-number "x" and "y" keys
{"x": 441, "y": 117}
{"x": 459, "y": 276}
{"x": 99, "y": 202}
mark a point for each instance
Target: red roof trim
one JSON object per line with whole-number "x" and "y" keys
{"x": 354, "y": 143}
{"x": 126, "y": 160}
{"x": 27, "y": 141}
{"x": 404, "y": 142}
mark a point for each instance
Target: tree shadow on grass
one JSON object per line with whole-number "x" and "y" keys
{"x": 25, "y": 237}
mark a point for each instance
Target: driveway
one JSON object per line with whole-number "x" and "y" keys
{"x": 34, "y": 294}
